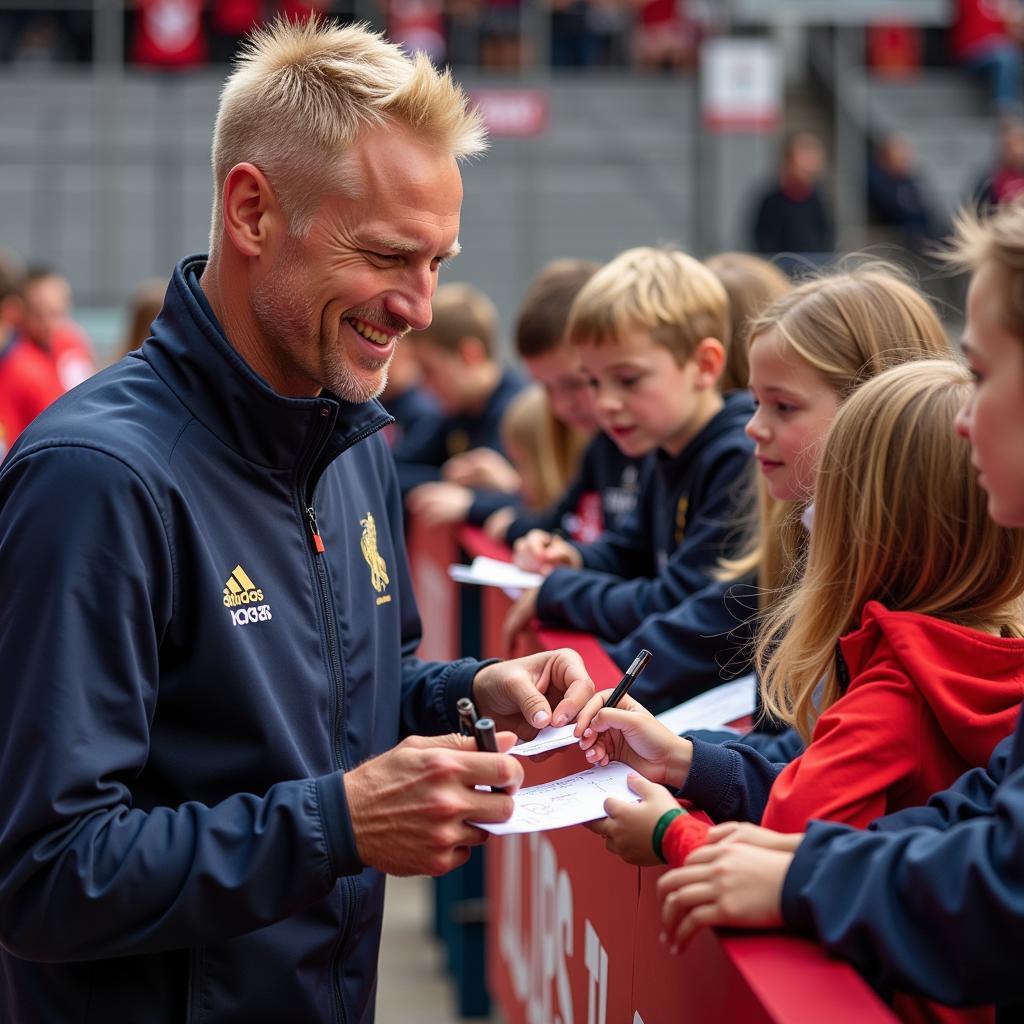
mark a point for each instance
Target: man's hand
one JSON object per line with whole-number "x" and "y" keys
{"x": 518, "y": 619}
{"x": 409, "y": 807}
{"x": 540, "y": 551}
{"x": 485, "y": 468}
{"x": 437, "y": 503}
{"x": 525, "y": 695}
{"x": 732, "y": 884}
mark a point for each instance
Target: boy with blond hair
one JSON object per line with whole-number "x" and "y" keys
{"x": 454, "y": 472}
{"x": 652, "y": 330}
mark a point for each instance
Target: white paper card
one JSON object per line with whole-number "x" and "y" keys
{"x": 489, "y": 572}
{"x": 547, "y": 739}
{"x": 568, "y": 801}
{"x": 713, "y": 709}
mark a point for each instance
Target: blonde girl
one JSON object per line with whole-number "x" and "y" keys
{"x": 544, "y": 450}
{"x": 808, "y": 353}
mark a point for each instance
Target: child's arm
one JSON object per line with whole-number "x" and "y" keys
{"x": 733, "y": 884}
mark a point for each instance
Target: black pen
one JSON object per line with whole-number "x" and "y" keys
{"x": 628, "y": 679}
{"x": 487, "y": 741}
{"x": 467, "y": 716}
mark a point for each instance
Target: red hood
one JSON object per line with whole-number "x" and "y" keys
{"x": 972, "y": 681}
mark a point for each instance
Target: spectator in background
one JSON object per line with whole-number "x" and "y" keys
{"x": 417, "y": 26}
{"x": 897, "y": 195}
{"x": 664, "y": 37}
{"x": 230, "y": 22}
{"x": 142, "y": 310}
{"x": 985, "y": 39}
{"x": 46, "y": 322}
{"x": 752, "y": 285}
{"x": 501, "y": 35}
{"x": 28, "y": 380}
{"x": 791, "y": 217}
{"x": 1006, "y": 179}
{"x": 416, "y": 412}
{"x": 458, "y": 357}
{"x": 169, "y": 34}
{"x": 544, "y": 451}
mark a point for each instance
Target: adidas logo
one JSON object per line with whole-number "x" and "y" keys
{"x": 240, "y": 595}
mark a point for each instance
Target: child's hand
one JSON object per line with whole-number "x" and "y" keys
{"x": 631, "y": 734}
{"x": 437, "y": 502}
{"x": 484, "y": 468}
{"x": 497, "y": 523}
{"x": 629, "y": 828}
{"x": 733, "y": 884}
{"x": 540, "y": 551}
{"x": 754, "y": 835}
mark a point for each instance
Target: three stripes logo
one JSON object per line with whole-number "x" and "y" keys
{"x": 243, "y": 599}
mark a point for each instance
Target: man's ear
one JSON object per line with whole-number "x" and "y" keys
{"x": 252, "y": 213}
{"x": 710, "y": 359}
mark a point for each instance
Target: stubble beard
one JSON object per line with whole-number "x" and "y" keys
{"x": 300, "y": 336}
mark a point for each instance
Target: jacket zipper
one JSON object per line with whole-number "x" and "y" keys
{"x": 352, "y": 900}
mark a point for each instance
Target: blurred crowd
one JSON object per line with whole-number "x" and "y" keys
{"x": 498, "y": 35}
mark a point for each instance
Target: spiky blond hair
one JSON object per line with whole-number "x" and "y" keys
{"x": 303, "y": 92}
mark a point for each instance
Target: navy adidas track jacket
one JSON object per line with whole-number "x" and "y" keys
{"x": 184, "y": 680}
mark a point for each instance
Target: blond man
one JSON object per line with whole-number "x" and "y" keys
{"x": 211, "y": 658}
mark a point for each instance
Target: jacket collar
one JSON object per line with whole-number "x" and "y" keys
{"x": 190, "y": 352}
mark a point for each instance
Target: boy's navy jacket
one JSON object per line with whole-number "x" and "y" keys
{"x": 649, "y": 585}
{"x": 421, "y": 456}
{"x": 415, "y": 413}
{"x": 185, "y": 681}
{"x": 606, "y": 474}
{"x": 929, "y": 899}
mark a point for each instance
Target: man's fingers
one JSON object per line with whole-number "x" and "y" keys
{"x": 612, "y": 806}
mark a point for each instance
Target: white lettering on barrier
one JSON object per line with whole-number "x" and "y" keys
{"x": 596, "y": 959}
{"x": 538, "y": 963}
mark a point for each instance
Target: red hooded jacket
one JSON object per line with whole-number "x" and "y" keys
{"x": 927, "y": 701}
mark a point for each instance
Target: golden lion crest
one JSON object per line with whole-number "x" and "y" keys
{"x": 368, "y": 545}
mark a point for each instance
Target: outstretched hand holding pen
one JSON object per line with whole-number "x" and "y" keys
{"x": 540, "y": 551}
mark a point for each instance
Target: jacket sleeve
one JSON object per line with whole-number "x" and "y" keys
{"x": 729, "y": 781}
{"x": 430, "y": 689}
{"x": 840, "y": 776}
{"x": 550, "y": 518}
{"x": 699, "y": 643}
{"x": 936, "y": 912}
{"x": 85, "y": 873}
{"x": 613, "y": 608}
{"x": 420, "y": 455}
{"x": 486, "y": 502}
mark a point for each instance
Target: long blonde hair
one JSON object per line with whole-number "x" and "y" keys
{"x": 900, "y": 519}
{"x": 849, "y": 325}
{"x": 549, "y": 450}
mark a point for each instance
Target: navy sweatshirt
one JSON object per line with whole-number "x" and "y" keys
{"x": 421, "y": 456}
{"x": 930, "y": 899}
{"x": 605, "y": 474}
{"x": 649, "y": 584}
{"x": 415, "y": 412}
{"x": 186, "y": 680}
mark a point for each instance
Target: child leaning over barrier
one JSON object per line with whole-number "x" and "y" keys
{"x": 898, "y": 655}
{"x": 652, "y": 329}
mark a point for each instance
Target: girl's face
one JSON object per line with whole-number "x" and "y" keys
{"x": 993, "y": 418}
{"x": 795, "y": 406}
